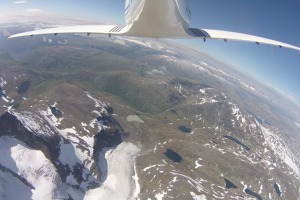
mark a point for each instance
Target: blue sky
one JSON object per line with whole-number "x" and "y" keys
{"x": 275, "y": 19}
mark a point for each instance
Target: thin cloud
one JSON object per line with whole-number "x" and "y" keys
{"x": 20, "y": 2}
{"x": 292, "y": 98}
{"x": 33, "y": 10}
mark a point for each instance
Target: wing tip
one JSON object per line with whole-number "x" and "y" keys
{"x": 10, "y": 37}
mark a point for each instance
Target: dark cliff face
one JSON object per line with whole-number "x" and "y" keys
{"x": 11, "y": 126}
{"x": 1, "y": 92}
{"x": 57, "y": 113}
{"x": 106, "y": 138}
{"x": 24, "y": 86}
{"x": 109, "y": 137}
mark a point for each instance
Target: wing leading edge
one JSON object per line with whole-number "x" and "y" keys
{"x": 124, "y": 30}
{"x": 88, "y": 29}
{"x": 227, "y": 35}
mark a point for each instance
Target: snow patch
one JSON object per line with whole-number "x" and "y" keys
{"x": 37, "y": 170}
{"x": 197, "y": 163}
{"x": 147, "y": 168}
{"x": 198, "y": 197}
{"x": 161, "y": 195}
{"x": 279, "y": 187}
{"x": 5, "y": 99}
{"x": 195, "y": 183}
{"x": 136, "y": 181}
{"x": 118, "y": 184}
{"x": 33, "y": 123}
{"x": 261, "y": 189}
{"x": 98, "y": 104}
{"x": 280, "y": 149}
{"x": 238, "y": 115}
{"x": 48, "y": 115}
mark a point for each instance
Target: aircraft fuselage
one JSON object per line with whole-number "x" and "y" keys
{"x": 157, "y": 18}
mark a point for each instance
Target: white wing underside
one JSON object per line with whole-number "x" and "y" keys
{"x": 226, "y": 35}
{"x": 190, "y": 33}
{"x": 86, "y": 29}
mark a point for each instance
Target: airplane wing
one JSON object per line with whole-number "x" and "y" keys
{"x": 226, "y": 35}
{"x": 123, "y": 30}
{"x": 88, "y": 29}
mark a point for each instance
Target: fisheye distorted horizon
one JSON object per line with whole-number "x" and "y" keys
{"x": 273, "y": 66}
